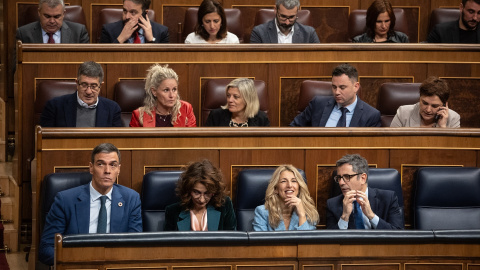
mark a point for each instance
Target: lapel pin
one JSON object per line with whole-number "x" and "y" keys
{"x": 120, "y": 204}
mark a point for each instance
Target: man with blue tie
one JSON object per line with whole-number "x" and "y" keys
{"x": 100, "y": 206}
{"x": 361, "y": 207}
{"x": 343, "y": 109}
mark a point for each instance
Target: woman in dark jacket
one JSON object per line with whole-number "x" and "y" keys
{"x": 242, "y": 108}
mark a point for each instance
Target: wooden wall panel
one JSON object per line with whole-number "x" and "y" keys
{"x": 464, "y": 102}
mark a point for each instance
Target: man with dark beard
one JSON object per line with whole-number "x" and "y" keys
{"x": 135, "y": 26}
{"x": 463, "y": 30}
{"x": 284, "y": 28}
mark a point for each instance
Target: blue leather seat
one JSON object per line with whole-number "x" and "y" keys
{"x": 381, "y": 178}
{"x": 158, "y": 191}
{"x": 251, "y": 187}
{"x": 56, "y": 182}
{"x": 447, "y": 198}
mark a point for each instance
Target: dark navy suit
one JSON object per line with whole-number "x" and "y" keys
{"x": 111, "y": 31}
{"x": 62, "y": 112}
{"x": 448, "y": 32}
{"x": 320, "y": 107}
{"x": 70, "y": 214}
{"x": 384, "y": 204}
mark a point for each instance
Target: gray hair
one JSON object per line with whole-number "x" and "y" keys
{"x": 51, "y": 3}
{"x": 288, "y": 4}
{"x": 105, "y": 148}
{"x": 359, "y": 163}
{"x": 90, "y": 69}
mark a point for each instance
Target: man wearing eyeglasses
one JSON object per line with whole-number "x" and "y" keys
{"x": 284, "y": 28}
{"x": 50, "y": 27}
{"x": 84, "y": 108}
{"x": 101, "y": 206}
{"x": 361, "y": 207}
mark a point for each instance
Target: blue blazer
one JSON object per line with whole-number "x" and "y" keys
{"x": 70, "y": 214}
{"x": 111, "y": 31}
{"x": 384, "y": 204}
{"x": 260, "y": 222}
{"x": 218, "y": 219}
{"x": 267, "y": 33}
{"x": 320, "y": 107}
{"x": 62, "y": 112}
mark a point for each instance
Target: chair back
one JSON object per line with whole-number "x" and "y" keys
{"x": 446, "y": 198}
{"x": 129, "y": 94}
{"x": 158, "y": 191}
{"x": 54, "y": 183}
{"x": 49, "y": 89}
{"x": 357, "y": 21}
{"x": 309, "y": 89}
{"x": 441, "y": 15}
{"x": 232, "y": 15}
{"x": 264, "y": 15}
{"x": 214, "y": 96}
{"x": 393, "y": 95}
{"x": 30, "y": 14}
{"x": 251, "y": 187}
{"x": 110, "y": 15}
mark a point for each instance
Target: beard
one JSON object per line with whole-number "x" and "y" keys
{"x": 465, "y": 23}
{"x": 285, "y": 27}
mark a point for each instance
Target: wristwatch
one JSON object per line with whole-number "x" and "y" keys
{"x": 153, "y": 40}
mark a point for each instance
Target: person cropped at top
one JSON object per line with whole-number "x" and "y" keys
{"x": 432, "y": 109}
{"x": 162, "y": 106}
{"x": 204, "y": 204}
{"x": 288, "y": 205}
{"x": 242, "y": 108}
{"x": 211, "y": 25}
{"x": 379, "y": 25}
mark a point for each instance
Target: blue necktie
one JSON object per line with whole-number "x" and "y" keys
{"x": 342, "y": 122}
{"x": 358, "y": 216}
{"x": 102, "y": 216}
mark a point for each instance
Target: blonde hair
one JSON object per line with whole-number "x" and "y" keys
{"x": 247, "y": 90}
{"x": 156, "y": 74}
{"x": 272, "y": 199}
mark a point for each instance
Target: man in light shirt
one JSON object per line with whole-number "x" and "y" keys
{"x": 101, "y": 206}
{"x": 284, "y": 28}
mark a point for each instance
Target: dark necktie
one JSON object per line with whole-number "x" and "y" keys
{"x": 102, "y": 216}
{"x": 358, "y": 216}
{"x": 50, "y": 38}
{"x": 342, "y": 122}
{"x": 137, "y": 38}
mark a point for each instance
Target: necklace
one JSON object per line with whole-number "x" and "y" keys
{"x": 162, "y": 117}
{"x": 235, "y": 124}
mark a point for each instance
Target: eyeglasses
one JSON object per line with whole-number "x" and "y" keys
{"x": 197, "y": 194}
{"x": 283, "y": 18}
{"x": 345, "y": 177}
{"x": 93, "y": 87}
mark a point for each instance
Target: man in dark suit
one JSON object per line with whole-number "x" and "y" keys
{"x": 50, "y": 28}
{"x": 135, "y": 26}
{"x": 84, "y": 108}
{"x": 284, "y": 28}
{"x": 361, "y": 207}
{"x": 463, "y": 30}
{"x": 100, "y": 206}
{"x": 344, "y": 109}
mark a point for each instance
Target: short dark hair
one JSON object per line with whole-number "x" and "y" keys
{"x": 145, "y": 3}
{"x": 206, "y": 7}
{"x": 435, "y": 86}
{"x": 465, "y": 1}
{"x": 90, "y": 69}
{"x": 206, "y": 173}
{"x": 346, "y": 69}
{"x": 359, "y": 163}
{"x": 105, "y": 148}
{"x": 377, "y": 7}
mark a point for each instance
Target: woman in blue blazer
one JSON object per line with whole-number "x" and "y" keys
{"x": 204, "y": 205}
{"x": 288, "y": 205}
